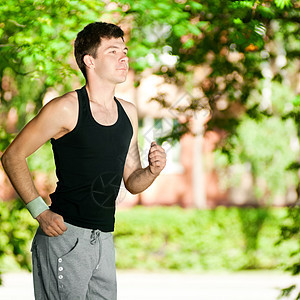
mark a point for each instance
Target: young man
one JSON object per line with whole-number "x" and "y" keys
{"x": 94, "y": 140}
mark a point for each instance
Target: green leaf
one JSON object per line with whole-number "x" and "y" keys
{"x": 237, "y": 21}
{"x": 296, "y": 101}
{"x": 240, "y": 4}
{"x": 179, "y": 29}
{"x": 188, "y": 44}
{"x": 195, "y": 5}
{"x": 266, "y": 12}
{"x": 287, "y": 291}
{"x": 193, "y": 29}
{"x": 283, "y": 3}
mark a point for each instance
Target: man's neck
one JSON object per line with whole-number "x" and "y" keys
{"x": 101, "y": 92}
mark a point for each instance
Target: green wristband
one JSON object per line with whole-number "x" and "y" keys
{"x": 36, "y": 206}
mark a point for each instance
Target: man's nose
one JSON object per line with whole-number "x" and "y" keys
{"x": 124, "y": 58}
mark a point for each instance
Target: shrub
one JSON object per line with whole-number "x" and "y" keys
{"x": 16, "y": 232}
{"x": 190, "y": 239}
{"x": 170, "y": 238}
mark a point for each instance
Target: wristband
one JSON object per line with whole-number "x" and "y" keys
{"x": 36, "y": 206}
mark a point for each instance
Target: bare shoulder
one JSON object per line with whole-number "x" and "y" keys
{"x": 129, "y": 108}
{"x": 55, "y": 119}
{"x": 61, "y": 112}
{"x": 65, "y": 103}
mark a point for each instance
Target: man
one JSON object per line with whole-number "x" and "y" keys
{"x": 94, "y": 140}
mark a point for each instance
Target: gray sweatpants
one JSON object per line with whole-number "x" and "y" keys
{"x": 77, "y": 265}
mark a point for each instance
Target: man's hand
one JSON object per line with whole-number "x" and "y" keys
{"x": 51, "y": 223}
{"x": 157, "y": 158}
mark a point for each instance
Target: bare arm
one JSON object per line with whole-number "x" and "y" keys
{"x": 53, "y": 119}
{"x": 136, "y": 178}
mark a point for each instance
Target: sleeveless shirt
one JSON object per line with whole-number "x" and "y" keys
{"x": 89, "y": 167}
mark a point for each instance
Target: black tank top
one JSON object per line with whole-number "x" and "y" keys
{"x": 89, "y": 167}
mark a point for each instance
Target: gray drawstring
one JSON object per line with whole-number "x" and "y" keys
{"x": 94, "y": 235}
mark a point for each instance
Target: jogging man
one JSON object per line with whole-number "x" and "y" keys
{"x": 94, "y": 141}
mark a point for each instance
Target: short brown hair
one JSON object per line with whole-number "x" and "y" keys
{"x": 89, "y": 39}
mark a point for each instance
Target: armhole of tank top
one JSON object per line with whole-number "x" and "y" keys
{"x": 125, "y": 115}
{"x": 77, "y": 122}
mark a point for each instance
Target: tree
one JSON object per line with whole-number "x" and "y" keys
{"x": 235, "y": 40}
{"x": 249, "y": 49}
{"x": 246, "y": 46}
{"x": 36, "y": 50}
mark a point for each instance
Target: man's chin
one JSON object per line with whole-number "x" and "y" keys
{"x": 120, "y": 80}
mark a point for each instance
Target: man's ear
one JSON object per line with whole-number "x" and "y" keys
{"x": 89, "y": 61}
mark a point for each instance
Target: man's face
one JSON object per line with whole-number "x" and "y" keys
{"x": 111, "y": 63}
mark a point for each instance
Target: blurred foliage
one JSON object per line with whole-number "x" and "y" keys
{"x": 42, "y": 159}
{"x": 249, "y": 52}
{"x": 190, "y": 239}
{"x": 171, "y": 238}
{"x": 36, "y": 45}
{"x": 246, "y": 48}
{"x": 249, "y": 49}
{"x": 291, "y": 227}
{"x": 16, "y": 232}
{"x": 261, "y": 147}
{"x": 290, "y": 230}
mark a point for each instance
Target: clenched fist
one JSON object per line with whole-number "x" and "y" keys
{"x": 51, "y": 223}
{"x": 157, "y": 158}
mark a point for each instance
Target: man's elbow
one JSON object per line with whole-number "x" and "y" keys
{"x": 129, "y": 187}
{"x": 8, "y": 157}
{"x": 4, "y": 158}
